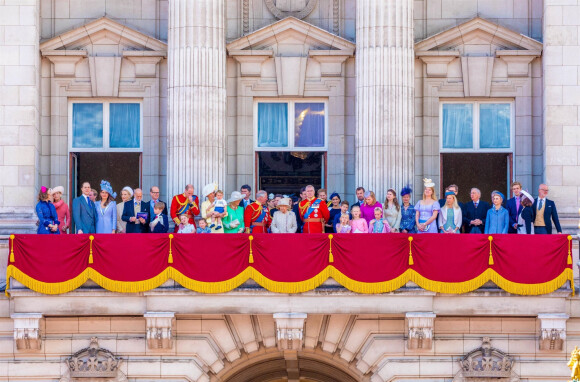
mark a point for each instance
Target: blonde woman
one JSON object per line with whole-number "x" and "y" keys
{"x": 451, "y": 217}
{"x": 427, "y": 209}
{"x": 392, "y": 210}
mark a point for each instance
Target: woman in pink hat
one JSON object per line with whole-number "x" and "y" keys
{"x": 62, "y": 210}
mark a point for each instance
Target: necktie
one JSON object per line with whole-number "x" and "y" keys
{"x": 541, "y": 204}
{"x": 517, "y": 203}
{"x": 88, "y": 200}
{"x": 476, "y": 203}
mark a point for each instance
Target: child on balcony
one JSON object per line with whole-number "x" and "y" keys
{"x": 185, "y": 227}
{"x": 358, "y": 224}
{"x": 344, "y": 224}
{"x": 220, "y": 206}
{"x": 378, "y": 224}
{"x": 161, "y": 223}
{"x": 203, "y": 228}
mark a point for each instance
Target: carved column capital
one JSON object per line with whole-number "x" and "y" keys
{"x": 420, "y": 326}
{"x": 27, "y": 331}
{"x": 290, "y": 330}
{"x": 552, "y": 330}
{"x": 159, "y": 329}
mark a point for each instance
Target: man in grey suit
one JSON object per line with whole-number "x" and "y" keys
{"x": 84, "y": 212}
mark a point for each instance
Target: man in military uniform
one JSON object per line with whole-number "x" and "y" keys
{"x": 314, "y": 212}
{"x": 185, "y": 203}
{"x": 256, "y": 215}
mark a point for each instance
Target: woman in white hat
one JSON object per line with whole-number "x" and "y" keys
{"x": 525, "y": 218}
{"x": 62, "y": 210}
{"x": 208, "y": 206}
{"x": 234, "y": 220}
{"x": 427, "y": 209}
{"x": 126, "y": 195}
{"x": 284, "y": 221}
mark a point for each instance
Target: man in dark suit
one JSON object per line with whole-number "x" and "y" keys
{"x": 360, "y": 197}
{"x": 246, "y": 191}
{"x": 150, "y": 205}
{"x": 514, "y": 207}
{"x": 544, "y": 211}
{"x": 84, "y": 211}
{"x": 455, "y": 189}
{"x": 130, "y": 210}
{"x": 475, "y": 213}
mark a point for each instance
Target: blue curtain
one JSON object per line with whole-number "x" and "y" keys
{"x": 272, "y": 125}
{"x": 87, "y": 125}
{"x": 457, "y": 126}
{"x": 309, "y": 125}
{"x": 124, "y": 125}
{"x": 494, "y": 125}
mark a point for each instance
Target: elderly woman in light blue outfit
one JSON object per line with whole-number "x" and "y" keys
{"x": 497, "y": 220}
{"x": 106, "y": 209}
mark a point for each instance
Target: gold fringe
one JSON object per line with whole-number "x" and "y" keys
{"x": 251, "y": 260}
{"x": 330, "y": 256}
{"x": 532, "y": 289}
{"x": 128, "y": 286}
{"x": 170, "y": 259}
{"x": 91, "y": 238}
{"x": 369, "y": 288}
{"x": 411, "y": 251}
{"x": 490, "y": 261}
{"x": 290, "y": 287}
{"x": 452, "y": 288}
{"x": 46, "y": 288}
{"x": 569, "y": 250}
{"x": 209, "y": 287}
{"x": 11, "y": 248}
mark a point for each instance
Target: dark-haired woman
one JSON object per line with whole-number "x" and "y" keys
{"x": 525, "y": 218}
{"x": 106, "y": 209}
{"x": 47, "y": 218}
{"x": 392, "y": 210}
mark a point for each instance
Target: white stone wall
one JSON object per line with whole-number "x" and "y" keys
{"x": 147, "y": 16}
{"x": 561, "y": 70}
{"x": 19, "y": 105}
{"x": 434, "y": 16}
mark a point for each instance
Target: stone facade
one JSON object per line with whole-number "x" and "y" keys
{"x": 53, "y": 52}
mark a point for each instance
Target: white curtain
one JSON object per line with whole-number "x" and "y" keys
{"x": 457, "y": 126}
{"x": 272, "y": 125}
{"x": 124, "y": 125}
{"x": 87, "y": 125}
{"x": 494, "y": 125}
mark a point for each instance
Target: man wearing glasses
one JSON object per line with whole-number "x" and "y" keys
{"x": 544, "y": 211}
{"x": 154, "y": 192}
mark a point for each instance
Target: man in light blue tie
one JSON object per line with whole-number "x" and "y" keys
{"x": 84, "y": 212}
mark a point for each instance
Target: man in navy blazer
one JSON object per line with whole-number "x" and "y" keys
{"x": 544, "y": 226}
{"x": 474, "y": 213}
{"x": 150, "y": 205}
{"x": 514, "y": 207}
{"x": 84, "y": 211}
{"x": 135, "y": 225}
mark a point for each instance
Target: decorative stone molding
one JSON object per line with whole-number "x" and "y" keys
{"x": 420, "y": 330}
{"x": 518, "y": 62}
{"x": 159, "y": 329}
{"x": 94, "y": 362}
{"x": 486, "y": 362}
{"x": 289, "y": 11}
{"x": 27, "y": 333}
{"x": 437, "y": 62}
{"x": 145, "y": 62}
{"x": 290, "y": 330}
{"x": 65, "y": 62}
{"x": 330, "y": 61}
{"x": 251, "y": 61}
{"x": 552, "y": 331}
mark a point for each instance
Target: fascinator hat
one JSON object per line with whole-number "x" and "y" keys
{"x": 333, "y": 195}
{"x": 406, "y": 190}
{"x": 106, "y": 186}
{"x": 128, "y": 189}
{"x": 449, "y": 193}
{"x": 209, "y": 188}
{"x": 428, "y": 182}
{"x": 58, "y": 189}
{"x": 498, "y": 194}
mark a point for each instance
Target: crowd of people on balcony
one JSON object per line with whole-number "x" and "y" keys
{"x": 311, "y": 212}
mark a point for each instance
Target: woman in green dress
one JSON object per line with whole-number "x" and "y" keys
{"x": 234, "y": 221}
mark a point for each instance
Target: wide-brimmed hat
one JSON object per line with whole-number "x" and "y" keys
{"x": 285, "y": 202}
{"x": 58, "y": 189}
{"x": 428, "y": 182}
{"x": 106, "y": 186}
{"x": 236, "y": 195}
{"x": 209, "y": 188}
{"x": 527, "y": 195}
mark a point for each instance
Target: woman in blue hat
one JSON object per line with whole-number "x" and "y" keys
{"x": 106, "y": 209}
{"x": 497, "y": 220}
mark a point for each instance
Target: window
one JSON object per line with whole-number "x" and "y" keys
{"x": 476, "y": 126}
{"x": 290, "y": 125}
{"x": 105, "y": 125}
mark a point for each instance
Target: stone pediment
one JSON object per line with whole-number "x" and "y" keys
{"x": 291, "y": 36}
{"x": 98, "y": 36}
{"x": 478, "y": 37}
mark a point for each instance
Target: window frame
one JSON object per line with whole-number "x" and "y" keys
{"x": 106, "y": 102}
{"x": 476, "y": 128}
{"x": 291, "y": 111}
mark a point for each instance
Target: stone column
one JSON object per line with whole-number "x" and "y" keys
{"x": 19, "y": 114}
{"x": 384, "y": 95}
{"x": 561, "y": 69}
{"x": 197, "y": 94}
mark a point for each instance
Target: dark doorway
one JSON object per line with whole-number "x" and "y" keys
{"x": 486, "y": 171}
{"x": 120, "y": 169}
{"x": 286, "y": 172}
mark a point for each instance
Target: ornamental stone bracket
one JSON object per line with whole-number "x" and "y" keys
{"x": 290, "y": 330}
{"x": 27, "y": 333}
{"x": 93, "y": 362}
{"x": 486, "y": 363}
{"x": 159, "y": 326}
{"x": 552, "y": 331}
{"x": 420, "y": 326}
